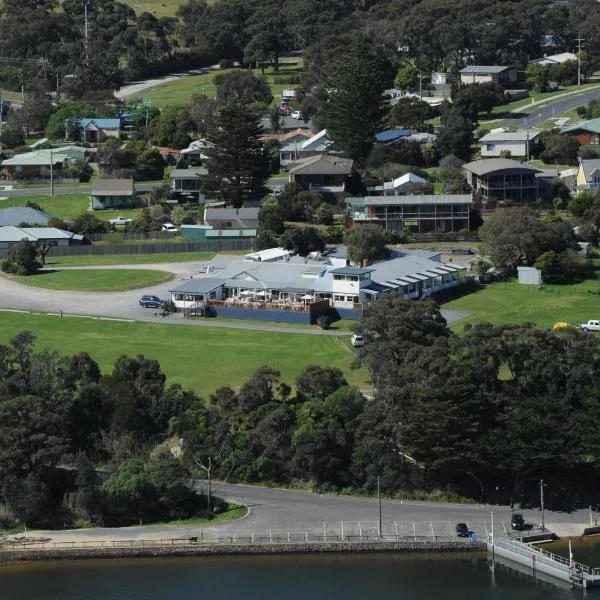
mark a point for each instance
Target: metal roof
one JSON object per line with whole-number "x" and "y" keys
{"x": 510, "y": 136}
{"x": 352, "y": 270}
{"x": 412, "y": 200}
{"x": 590, "y": 166}
{"x": 222, "y": 214}
{"x": 188, "y": 173}
{"x": 100, "y": 123}
{"x": 9, "y": 233}
{"x": 42, "y": 158}
{"x": 391, "y": 134}
{"x": 485, "y": 166}
{"x": 325, "y": 164}
{"x": 484, "y": 69}
{"x": 199, "y": 285}
{"x": 231, "y": 233}
{"x": 592, "y": 125}
{"x": 112, "y": 187}
{"x": 15, "y": 215}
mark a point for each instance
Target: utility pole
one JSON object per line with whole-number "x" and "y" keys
{"x": 379, "y": 502}
{"x": 542, "y": 502}
{"x": 51, "y": 173}
{"x": 579, "y": 40}
{"x": 420, "y": 76}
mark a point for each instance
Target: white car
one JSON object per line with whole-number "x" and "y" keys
{"x": 120, "y": 220}
{"x": 296, "y": 114}
{"x": 592, "y": 325}
{"x": 357, "y": 341}
{"x": 170, "y": 227}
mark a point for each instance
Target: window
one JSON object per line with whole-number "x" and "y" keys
{"x": 339, "y": 278}
{"x": 490, "y": 147}
{"x": 213, "y": 295}
{"x": 338, "y": 298}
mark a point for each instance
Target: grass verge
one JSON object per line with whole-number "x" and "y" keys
{"x": 136, "y": 259}
{"x": 233, "y": 513}
{"x": 95, "y": 280}
{"x": 200, "y": 358}
{"x": 510, "y": 302}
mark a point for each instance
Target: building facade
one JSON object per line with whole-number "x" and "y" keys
{"x": 414, "y": 214}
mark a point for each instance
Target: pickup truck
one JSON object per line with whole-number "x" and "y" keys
{"x": 120, "y": 220}
{"x": 590, "y": 326}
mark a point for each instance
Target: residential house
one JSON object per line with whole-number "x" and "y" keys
{"x": 286, "y": 124}
{"x": 554, "y": 59}
{"x": 409, "y": 183}
{"x": 231, "y": 218}
{"x": 517, "y": 143}
{"x": 297, "y": 289}
{"x": 113, "y": 193}
{"x": 188, "y": 182}
{"x": 94, "y": 129}
{"x": 194, "y": 153}
{"x": 322, "y": 172}
{"x": 392, "y": 136}
{"x": 488, "y": 74}
{"x": 39, "y": 164}
{"x": 415, "y": 214}
{"x": 289, "y": 137}
{"x": 10, "y": 235}
{"x": 297, "y": 149}
{"x": 586, "y": 132}
{"x": 588, "y": 174}
{"x": 17, "y": 215}
{"x": 503, "y": 179}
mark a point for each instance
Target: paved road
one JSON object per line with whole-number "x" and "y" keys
{"x": 538, "y": 114}
{"x": 64, "y": 190}
{"x": 131, "y": 89}
{"x": 273, "y": 510}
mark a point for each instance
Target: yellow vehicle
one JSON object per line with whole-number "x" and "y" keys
{"x": 561, "y": 325}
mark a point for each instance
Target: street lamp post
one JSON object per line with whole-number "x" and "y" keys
{"x": 542, "y": 502}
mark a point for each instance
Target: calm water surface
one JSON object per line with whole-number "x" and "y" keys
{"x": 331, "y": 577}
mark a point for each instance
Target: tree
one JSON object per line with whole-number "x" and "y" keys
{"x": 538, "y": 75}
{"x": 511, "y": 238}
{"x": 244, "y": 90}
{"x": 269, "y": 219}
{"x": 411, "y": 113}
{"x": 22, "y": 259}
{"x": 366, "y": 242}
{"x": 12, "y": 138}
{"x": 303, "y": 240}
{"x": 355, "y": 110}
{"x": 62, "y": 123}
{"x": 236, "y": 163}
{"x": 407, "y": 78}
{"x": 203, "y": 113}
{"x": 172, "y": 127}
{"x": 88, "y": 223}
{"x": 266, "y": 239}
{"x": 557, "y": 148}
{"x": 456, "y": 135}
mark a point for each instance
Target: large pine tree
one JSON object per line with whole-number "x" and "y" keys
{"x": 236, "y": 164}
{"x": 355, "y": 109}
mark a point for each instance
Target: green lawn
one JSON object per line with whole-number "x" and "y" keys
{"x": 96, "y": 280}
{"x": 131, "y": 259}
{"x": 181, "y": 91}
{"x": 68, "y": 206}
{"x": 200, "y": 358}
{"x": 64, "y": 207}
{"x": 509, "y": 302}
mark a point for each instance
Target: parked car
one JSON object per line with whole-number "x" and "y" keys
{"x": 462, "y": 530}
{"x": 592, "y": 325}
{"x": 296, "y": 114}
{"x": 120, "y": 220}
{"x": 170, "y": 227}
{"x": 518, "y": 522}
{"x": 357, "y": 341}
{"x": 151, "y": 302}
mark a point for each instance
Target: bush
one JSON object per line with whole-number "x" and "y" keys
{"x": 324, "y": 321}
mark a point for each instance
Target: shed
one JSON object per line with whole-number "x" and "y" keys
{"x": 529, "y": 275}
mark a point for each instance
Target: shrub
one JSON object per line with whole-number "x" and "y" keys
{"x": 324, "y": 321}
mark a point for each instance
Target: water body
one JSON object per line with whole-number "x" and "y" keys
{"x": 329, "y": 577}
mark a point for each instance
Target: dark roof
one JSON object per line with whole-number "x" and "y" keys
{"x": 15, "y": 215}
{"x": 232, "y": 213}
{"x": 112, "y": 187}
{"x": 485, "y": 166}
{"x": 322, "y": 164}
{"x": 351, "y": 271}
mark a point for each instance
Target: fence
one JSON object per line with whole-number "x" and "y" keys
{"x": 442, "y": 237}
{"x": 132, "y": 235}
{"x": 132, "y": 249}
{"x": 342, "y": 532}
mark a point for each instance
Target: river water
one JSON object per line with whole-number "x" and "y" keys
{"x": 325, "y": 577}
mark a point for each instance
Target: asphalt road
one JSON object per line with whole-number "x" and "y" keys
{"x": 539, "y": 114}
{"x": 278, "y": 511}
{"x": 64, "y": 190}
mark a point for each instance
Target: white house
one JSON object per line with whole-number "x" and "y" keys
{"x": 297, "y": 150}
{"x": 498, "y": 142}
{"x": 488, "y": 74}
{"x": 554, "y": 59}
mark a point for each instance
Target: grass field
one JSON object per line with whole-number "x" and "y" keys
{"x": 181, "y": 91}
{"x": 95, "y": 280}
{"x": 68, "y": 206}
{"x": 131, "y": 259}
{"x": 199, "y": 358}
{"x": 509, "y": 302}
